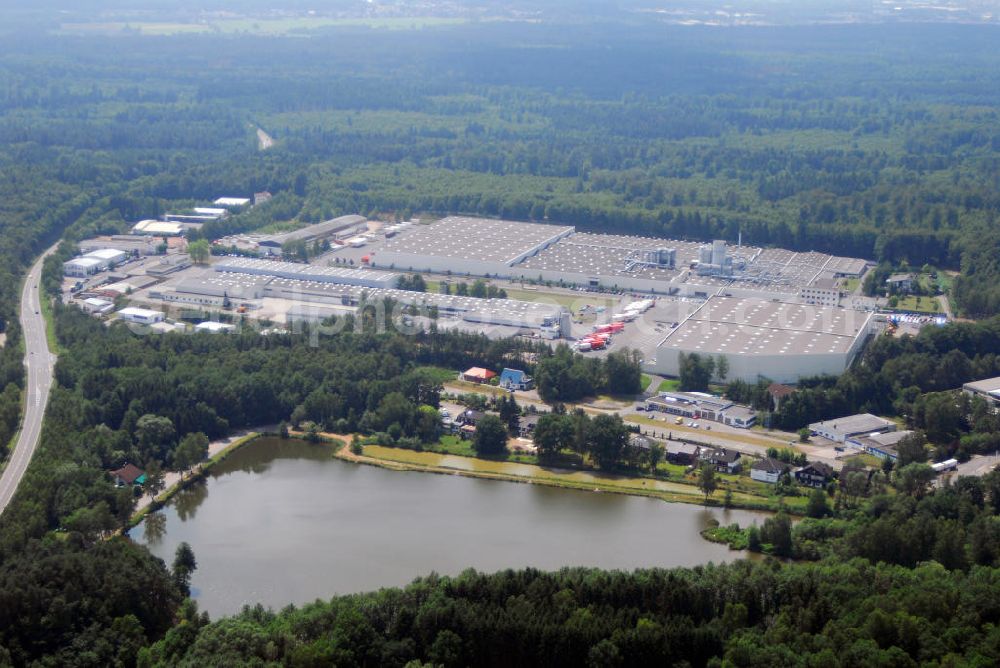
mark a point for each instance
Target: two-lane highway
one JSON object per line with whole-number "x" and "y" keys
{"x": 39, "y": 364}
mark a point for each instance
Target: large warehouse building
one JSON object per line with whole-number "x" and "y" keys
{"x": 315, "y": 293}
{"x": 764, "y": 338}
{"x": 93, "y": 262}
{"x": 531, "y": 251}
{"x": 305, "y": 272}
{"x": 474, "y": 246}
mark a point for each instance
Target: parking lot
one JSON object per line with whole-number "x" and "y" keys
{"x": 648, "y": 330}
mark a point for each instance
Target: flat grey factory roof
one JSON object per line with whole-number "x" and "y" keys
{"x": 986, "y": 385}
{"x": 713, "y": 337}
{"x": 855, "y": 424}
{"x": 756, "y": 312}
{"x": 276, "y": 267}
{"x": 888, "y": 438}
{"x": 451, "y": 302}
{"x": 319, "y": 229}
{"x": 479, "y": 239}
{"x": 759, "y": 326}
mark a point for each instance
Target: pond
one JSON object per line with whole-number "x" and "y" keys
{"x": 284, "y": 522}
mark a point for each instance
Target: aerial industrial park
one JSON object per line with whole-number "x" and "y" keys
{"x": 770, "y": 312}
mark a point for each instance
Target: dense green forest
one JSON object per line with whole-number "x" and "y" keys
{"x": 851, "y": 139}
{"x": 745, "y": 614}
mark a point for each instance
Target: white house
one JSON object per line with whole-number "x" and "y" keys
{"x": 768, "y": 470}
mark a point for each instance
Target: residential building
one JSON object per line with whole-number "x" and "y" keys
{"x": 515, "y": 379}
{"x": 900, "y": 283}
{"x": 814, "y": 474}
{"x": 683, "y": 454}
{"x": 526, "y": 425}
{"x": 130, "y": 474}
{"x": 779, "y": 393}
{"x": 724, "y": 461}
{"x": 768, "y": 470}
{"x": 640, "y": 442}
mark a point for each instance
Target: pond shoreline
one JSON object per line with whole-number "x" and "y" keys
{"x": 191, "y": 476}
{"x": 549, "y": 479}
{"x": 284, "y": 521}
{"x": 340, "y": 445}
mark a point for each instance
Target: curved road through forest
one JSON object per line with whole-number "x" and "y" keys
{"x": 39, "y": 365}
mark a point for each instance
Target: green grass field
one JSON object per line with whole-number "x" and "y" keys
{"x": 669, "y": 385}
{"x": 570, "y": 301}
{"x": 913, "y": 304}
{"x": 870, "y": 461}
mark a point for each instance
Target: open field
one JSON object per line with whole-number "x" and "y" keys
{"x": 913, "y": 304}
{"x": 570, "y": 301}
{"x": 669, "y": 385}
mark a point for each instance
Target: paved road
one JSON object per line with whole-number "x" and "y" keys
{"x": 39, "y": 365}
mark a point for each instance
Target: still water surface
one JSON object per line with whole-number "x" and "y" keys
{"x": 283, "y": 522}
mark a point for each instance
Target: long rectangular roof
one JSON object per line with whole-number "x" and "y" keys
{"x": 307, "y": 272}
{"x": 481, "y": 239}
{"x": 326, "y": 228}
{"x": 759, "y": 326}
{"x": 986, "y": 386}
{"x": 863, "y": 423}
